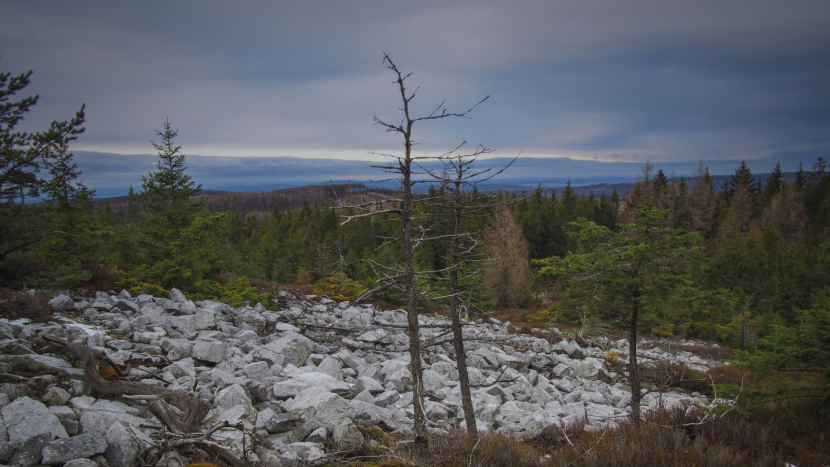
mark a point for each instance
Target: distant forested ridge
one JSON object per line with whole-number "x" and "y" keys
{"x": 283, "y": 199}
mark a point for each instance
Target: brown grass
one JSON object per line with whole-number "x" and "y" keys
{"x": 769, "y": 435}
{"x": 16, "y": 304}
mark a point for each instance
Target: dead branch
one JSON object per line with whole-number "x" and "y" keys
{"x": 194, "y": 408}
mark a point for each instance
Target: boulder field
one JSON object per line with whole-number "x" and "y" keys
{"x": 290, "y": 380}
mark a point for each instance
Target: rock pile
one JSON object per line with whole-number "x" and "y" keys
{"x": 315, "y": 370}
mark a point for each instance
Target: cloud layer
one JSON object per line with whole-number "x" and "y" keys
{"x": 611, "y": 81}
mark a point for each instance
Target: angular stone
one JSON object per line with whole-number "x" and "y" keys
{"x": 62, "y": 303}
{"x": 592, "y": 369}
{"x": 6, "y": 449}
{"x": 365, "y": 383}
{"x": 127, "y": 305}
{"x": 331, "y": 366}
{"x": 187, "y": 307}
{"x": 98, "y": 422}
{"x": 387, "y": 398}
{"x": 231, "y": 396}
{"x": 276, "y": 422}
{"x": 432, "y": 381}
{"x": 213, "y": 352}
{"x": 317, "y": 404}
{"x": 204, "y": 319}
{"x": 325, "y": 381}
{"x": 347, "y": 433}
{"x": 81, "y": 463}
{"x": 256, "y": 371}
{"x": 28, "y": 453}
{"x": 375, "y": 336}
{"x": 68, "y": 418}
{"x": 320, "y": 435}
{"x": 177, "y": 296}
{"x": 64, "y": 450}
{"x": 122, "y": 446}
{"x": 435, "y": 411}
{"x": 25, "y": 418}
{"x": 289, "y": 388}
{"x": 295, "y": 349}
{"x": 56, "y": 396}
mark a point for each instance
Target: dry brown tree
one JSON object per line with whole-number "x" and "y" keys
{"x": 507, "y": 274}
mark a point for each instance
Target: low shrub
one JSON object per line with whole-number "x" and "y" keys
{"x": 16, "y": 304}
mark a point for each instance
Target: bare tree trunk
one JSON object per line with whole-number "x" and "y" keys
{"x": 633, "y": 374}
{"x": 457, "y": 335}
{"x": 420, "y": 425}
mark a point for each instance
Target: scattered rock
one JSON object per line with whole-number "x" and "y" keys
{"x": 64, "y": 450}
{"x": 25, "y": 418}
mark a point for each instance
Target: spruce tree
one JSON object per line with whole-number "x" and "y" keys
{"x": 167, "y": 192}
{"x": 640, "y": 268}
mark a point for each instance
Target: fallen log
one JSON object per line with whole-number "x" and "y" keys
{"x": 195, "y": 410}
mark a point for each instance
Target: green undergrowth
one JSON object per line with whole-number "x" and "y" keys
{"x": 235, "y": 292}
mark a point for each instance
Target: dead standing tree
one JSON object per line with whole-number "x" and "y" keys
{"x": 405, "y": 277}
{"x": 462, "y": 201}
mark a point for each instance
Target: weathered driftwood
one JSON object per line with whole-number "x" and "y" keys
{"x": 195, "y": 409}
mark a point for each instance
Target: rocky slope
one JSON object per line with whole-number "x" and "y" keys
{"x": 288, "y": 380}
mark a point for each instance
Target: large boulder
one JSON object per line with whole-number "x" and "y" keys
{"x": 25, "y": 418}
{"x": 28, "y": 453}
{"x": 209, "y": 351}
{"x": 62, "y": 303}
{"x": 321, "y": 406}
{"x": 295, "y": 349}
{"x": 98, "y": 422}
{"x": 231, "y": 396}
{"x": 64, "y": 450}
{"x": 592, "y": 369}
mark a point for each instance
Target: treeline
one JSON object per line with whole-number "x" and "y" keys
{"x": 283, "y": 199}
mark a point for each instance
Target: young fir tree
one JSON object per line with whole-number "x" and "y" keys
{"x": 167, "y": 193}
{"x": 172, "y": 239}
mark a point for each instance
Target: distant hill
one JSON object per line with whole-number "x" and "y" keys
{"x": 284, "y": 199}
{"x": 287, "y": 199}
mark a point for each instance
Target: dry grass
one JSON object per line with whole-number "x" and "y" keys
{"x": 16, "y": 304}
{"x": 770, "y": 435}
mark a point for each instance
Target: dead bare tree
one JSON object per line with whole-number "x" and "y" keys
{"x": 402, "y": 170}
{"x": 459, "y": 175}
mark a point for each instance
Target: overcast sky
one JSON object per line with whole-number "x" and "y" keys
{"x": 669, "y": 81}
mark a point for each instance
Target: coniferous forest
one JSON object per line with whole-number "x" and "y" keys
{"x": 745, "y": 265}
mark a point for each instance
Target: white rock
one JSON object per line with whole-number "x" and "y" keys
{"x": 177, "y": 296}
{"x": 316, "y": 403}
{"x": 25, "y": 418}
{"x": 213, "y": 352}
{"x": 231, "y": 396}
{"x": 62, "y": 303}
{"x": 295, "y": 349}
{"x": 204, "y": 318}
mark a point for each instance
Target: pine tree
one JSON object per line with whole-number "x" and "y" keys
{"x": 22, "y": 157}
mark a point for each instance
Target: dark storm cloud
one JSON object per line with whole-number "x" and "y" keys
{"x": 673, "y": 82}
